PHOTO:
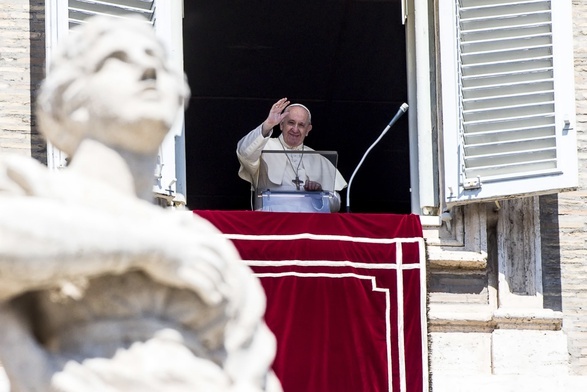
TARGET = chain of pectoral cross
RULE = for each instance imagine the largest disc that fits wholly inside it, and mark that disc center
(296, 171)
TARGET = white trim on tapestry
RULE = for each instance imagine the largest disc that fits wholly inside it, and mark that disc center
(374, 287)
(309, 236)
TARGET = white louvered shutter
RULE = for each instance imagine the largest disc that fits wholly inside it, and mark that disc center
(165, 16)
(80, 10)
(508, 109)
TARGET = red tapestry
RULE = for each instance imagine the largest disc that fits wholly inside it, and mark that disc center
(345, 296)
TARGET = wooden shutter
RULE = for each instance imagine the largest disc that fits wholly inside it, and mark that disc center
(508, 109)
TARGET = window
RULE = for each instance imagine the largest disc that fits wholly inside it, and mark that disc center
(507, 98)
(345, 60)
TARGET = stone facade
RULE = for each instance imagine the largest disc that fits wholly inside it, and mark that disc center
(22, 63)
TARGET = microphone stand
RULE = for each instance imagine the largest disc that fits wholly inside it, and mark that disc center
(403, 108)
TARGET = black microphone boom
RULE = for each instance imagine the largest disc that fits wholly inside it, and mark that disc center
(400, 112)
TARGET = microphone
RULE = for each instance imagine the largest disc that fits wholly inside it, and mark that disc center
(403, 108)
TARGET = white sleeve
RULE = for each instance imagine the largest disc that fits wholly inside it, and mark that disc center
(248, 152)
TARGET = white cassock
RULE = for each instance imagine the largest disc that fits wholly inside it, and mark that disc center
(280, 172)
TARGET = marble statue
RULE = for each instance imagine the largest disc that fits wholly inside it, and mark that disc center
(100, 290)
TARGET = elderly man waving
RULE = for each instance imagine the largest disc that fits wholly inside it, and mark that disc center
(298, 169)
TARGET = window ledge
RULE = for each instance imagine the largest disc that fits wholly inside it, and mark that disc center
(451, 259)
(444, 318)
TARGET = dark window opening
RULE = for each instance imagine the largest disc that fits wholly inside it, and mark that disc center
(345, 60)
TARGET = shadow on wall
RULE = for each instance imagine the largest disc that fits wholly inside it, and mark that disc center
(551, 258)
(550, 249)
(37, 73)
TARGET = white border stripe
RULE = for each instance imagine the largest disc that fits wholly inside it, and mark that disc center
(388, 338)
(330, 263)
(423, 317)
(319, 237)
(374, 288)
(401, 344)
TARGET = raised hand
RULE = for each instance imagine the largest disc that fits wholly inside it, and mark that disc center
(275, 116)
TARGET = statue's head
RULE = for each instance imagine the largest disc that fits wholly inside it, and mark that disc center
(111, 81)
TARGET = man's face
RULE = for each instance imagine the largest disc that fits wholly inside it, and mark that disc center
(132, 95)
(295, 126)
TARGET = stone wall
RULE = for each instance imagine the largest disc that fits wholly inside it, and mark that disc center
(22, 60)
(572, 214)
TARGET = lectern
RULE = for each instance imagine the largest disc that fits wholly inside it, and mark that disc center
(275, 194)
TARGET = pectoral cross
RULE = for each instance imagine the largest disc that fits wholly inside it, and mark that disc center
(298, 182)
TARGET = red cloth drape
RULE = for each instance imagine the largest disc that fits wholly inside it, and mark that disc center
(344, 296)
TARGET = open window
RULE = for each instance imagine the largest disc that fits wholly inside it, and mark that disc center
(508, 110)
(344, 59)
